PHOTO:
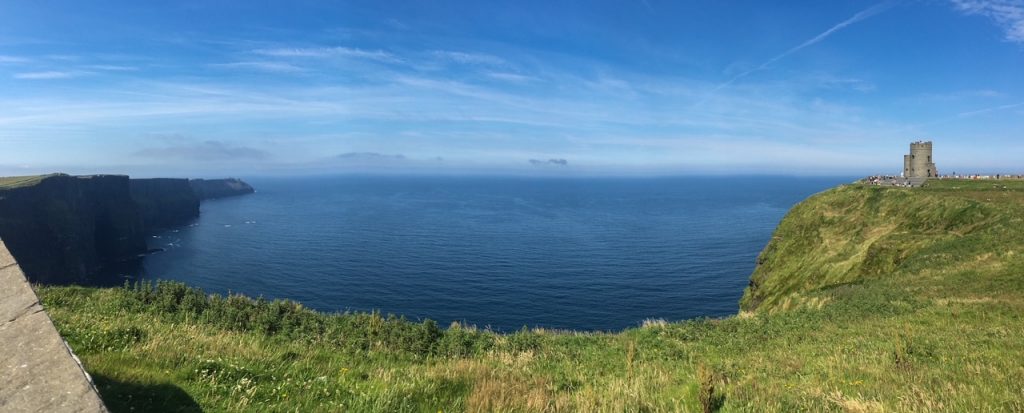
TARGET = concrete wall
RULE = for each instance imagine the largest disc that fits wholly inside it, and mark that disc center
(38, 372)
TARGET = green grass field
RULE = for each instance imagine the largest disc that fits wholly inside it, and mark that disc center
(10, 182)
(866, 299)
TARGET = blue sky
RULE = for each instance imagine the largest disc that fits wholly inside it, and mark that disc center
(625, 87)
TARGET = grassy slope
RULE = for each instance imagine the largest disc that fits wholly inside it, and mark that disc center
(867, 299)
(10, 182)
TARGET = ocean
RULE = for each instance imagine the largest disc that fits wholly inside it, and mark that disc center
(495, 252)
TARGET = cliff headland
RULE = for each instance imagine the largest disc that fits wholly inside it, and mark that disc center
(64, 229)
(219, 188)
(866, 299)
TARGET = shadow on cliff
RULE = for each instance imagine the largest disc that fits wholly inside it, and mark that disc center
(120, 396)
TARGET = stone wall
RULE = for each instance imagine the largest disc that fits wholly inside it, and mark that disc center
(38, 372)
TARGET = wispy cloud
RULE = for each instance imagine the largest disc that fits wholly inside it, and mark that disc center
(850, 83)
(469, 58)
(265, 66)
(511, 77)
(325, 52)
(1008, 14)
(863, 14)
(991, 109)
(205, 151)
(47, 75)
(112, 68)
(6, 59)
(549, 162)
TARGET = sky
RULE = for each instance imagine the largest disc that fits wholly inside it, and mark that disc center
(631, 87)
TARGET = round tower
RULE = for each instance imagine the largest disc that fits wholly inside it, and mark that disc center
(921, 165)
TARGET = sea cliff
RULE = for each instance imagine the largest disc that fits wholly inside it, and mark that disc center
(859, 233)
(165, 202)
(64, 228)
(219, 188)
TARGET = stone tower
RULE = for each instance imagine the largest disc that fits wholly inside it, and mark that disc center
(919, 164)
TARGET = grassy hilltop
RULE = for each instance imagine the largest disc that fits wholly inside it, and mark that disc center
(866, 299)
(11, 182)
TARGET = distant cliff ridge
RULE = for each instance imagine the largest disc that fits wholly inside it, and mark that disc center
(165, 202)
(219, 188)
(64, 229)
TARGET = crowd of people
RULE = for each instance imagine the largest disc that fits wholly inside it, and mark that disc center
(893, 180)
(954, 175)
(887, 180)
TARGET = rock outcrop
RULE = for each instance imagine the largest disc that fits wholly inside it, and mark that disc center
(219, 188)
(65, 228)
(164, 202)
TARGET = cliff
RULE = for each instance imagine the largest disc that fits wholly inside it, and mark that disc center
(855, 234)
(164, 202)
(63, 228)
(219, 188)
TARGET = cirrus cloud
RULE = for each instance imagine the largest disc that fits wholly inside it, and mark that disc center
(1008, 14)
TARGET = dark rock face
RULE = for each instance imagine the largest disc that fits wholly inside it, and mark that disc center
(66, 228)
(219, 188)
(164, 202)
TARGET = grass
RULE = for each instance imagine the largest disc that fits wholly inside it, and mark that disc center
(867, 299)
(11, 182)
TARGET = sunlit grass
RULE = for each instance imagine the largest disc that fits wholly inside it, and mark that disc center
(868, 299)
(10, 182)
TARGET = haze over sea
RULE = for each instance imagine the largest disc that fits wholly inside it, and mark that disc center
(503, 252)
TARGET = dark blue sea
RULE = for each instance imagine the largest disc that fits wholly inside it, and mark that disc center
(564, 253)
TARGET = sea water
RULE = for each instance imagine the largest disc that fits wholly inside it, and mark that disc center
(498, 252)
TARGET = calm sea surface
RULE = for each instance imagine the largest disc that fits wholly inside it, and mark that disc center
(587, 253)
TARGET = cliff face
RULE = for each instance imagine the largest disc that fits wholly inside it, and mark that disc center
(64, 228)
(164, 202)
(219, 188)
(854, 234)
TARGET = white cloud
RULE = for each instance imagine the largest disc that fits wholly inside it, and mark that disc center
(266, 66)
(211, 150)
(469, 58)
(990, 109)
(511, 77)
(112, 68)
(53, 74)
(12, 59)
(1008, 14)
(326, 52)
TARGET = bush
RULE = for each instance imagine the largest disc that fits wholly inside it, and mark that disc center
(524, 340)
(288, 319)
